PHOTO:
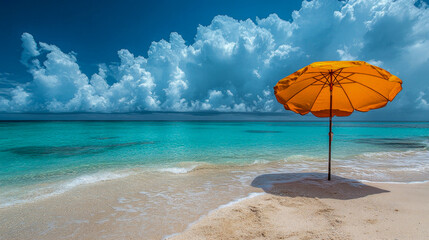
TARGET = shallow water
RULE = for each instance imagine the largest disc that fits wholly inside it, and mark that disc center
(89, 179)
(45, 158)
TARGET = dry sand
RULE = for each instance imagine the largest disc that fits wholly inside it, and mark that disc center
(292, 206)
(305, 206)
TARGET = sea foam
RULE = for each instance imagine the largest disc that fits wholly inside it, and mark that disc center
(39, 193)
(177, 170)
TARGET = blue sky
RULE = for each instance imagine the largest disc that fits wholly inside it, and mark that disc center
(97, 31)
(192, 56)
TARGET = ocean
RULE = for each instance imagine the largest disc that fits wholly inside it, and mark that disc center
(166, 163)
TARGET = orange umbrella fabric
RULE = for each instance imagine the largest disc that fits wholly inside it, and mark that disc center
(337, 88)
(356, 85)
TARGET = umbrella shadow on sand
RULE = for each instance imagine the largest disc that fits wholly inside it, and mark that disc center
(314, 185)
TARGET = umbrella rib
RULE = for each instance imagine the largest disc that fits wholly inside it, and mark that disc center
(320, 74)
(372, 75)
(384, 76)
(324, 86)
(351, 74)
(327, 80)
(317, 96)
(301, 80)
(351, 104)
(317, 80)
(339, 69)
(367, 87)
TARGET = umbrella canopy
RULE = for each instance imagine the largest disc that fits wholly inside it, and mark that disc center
(337, 88)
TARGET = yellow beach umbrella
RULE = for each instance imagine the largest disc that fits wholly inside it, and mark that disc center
(337, 88)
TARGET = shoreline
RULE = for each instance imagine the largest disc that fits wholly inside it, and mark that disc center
(158, 205)
(42, 191)
(134, 207)
(226, 205)
(258, 217)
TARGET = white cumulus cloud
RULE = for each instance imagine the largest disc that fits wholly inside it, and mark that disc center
(232, 65)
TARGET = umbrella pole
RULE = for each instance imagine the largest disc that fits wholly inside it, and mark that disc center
(330, 128)
(330, 140)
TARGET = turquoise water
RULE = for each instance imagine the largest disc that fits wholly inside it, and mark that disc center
(35, 155)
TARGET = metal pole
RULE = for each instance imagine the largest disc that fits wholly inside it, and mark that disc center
(330, 126)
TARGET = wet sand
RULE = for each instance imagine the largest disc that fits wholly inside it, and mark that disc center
(312, 209)
(142, 206)
(292, 205)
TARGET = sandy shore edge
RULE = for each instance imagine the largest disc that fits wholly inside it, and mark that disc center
(315, 209)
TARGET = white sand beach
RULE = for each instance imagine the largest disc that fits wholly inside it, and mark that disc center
(316, 210)
(214, 203)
